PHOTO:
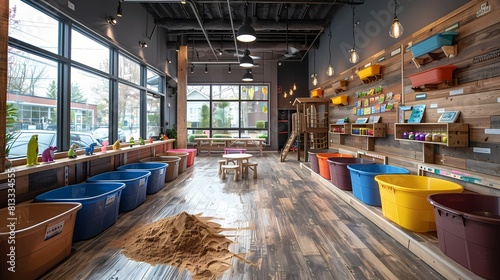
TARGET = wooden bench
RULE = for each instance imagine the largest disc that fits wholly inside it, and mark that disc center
(218, 144)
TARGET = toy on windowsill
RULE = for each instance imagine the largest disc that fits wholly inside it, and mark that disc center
(150, 139)
(162, 137)
(116, 145)
(90, 149)
(165, 137)
(141, 141)
(32, 152)
(48, 154)
(104, 147)
(131, 141)
(71, 151)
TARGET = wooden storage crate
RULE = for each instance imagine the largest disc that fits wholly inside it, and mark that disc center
(340, 86)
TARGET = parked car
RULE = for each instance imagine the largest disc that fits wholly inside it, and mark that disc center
(46, 138)
(102, 133)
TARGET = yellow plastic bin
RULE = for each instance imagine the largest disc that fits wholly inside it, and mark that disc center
(172, 168)
(324, 167)
(182, 162)
(43, 237)
(404, 199)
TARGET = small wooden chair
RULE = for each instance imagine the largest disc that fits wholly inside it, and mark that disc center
(227, 167)
(252, 166)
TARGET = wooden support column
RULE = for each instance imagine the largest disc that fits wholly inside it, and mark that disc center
(428, 153)
(182, 64)
(4, 37)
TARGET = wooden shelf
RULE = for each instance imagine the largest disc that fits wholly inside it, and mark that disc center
(457, 134)
(369, 129)
(340, 128)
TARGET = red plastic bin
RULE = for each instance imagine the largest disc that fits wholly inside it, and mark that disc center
(324, 167)
(190, 158)
(433, 76)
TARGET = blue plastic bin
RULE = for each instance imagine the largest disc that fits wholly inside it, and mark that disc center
(134, 193)
(158, 170)
(433, 43)
(364, 186)
(100, 205)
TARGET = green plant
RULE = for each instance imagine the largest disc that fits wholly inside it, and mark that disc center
(193, 136)
(260, 124)
(171, 133)
(11, 116)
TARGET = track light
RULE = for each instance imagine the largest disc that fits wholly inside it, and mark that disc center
(229, 70)
(248, 77)
(246, 61)
(143, 44)
(119, 11)
(246, 33)
(192, 68)
(111, 20)
(206, 68)
(396, 27)
(169, 61)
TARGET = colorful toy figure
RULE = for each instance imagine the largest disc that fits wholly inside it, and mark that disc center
(141, 141)
(116, 145)
(165, 137)
(32, 152)
(150, 139)
(71, 151)
(104, 147)
(48, 154)
(131, 141)
(90, 149)
(162, 137)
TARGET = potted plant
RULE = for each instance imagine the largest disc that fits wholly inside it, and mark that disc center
(171, 133)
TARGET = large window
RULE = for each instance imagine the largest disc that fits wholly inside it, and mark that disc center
(232, 111)
(43, 80)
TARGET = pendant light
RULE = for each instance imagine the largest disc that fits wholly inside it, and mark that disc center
(246, 33)
(314, 76)
(396, 28)
(119, 9)
(248, 77)
(330, 70)
(246, 61)
(353, 57)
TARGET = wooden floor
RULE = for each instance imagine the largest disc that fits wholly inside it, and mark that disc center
(294, 226)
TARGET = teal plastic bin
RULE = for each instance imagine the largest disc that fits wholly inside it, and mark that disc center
(158, 170)
(136, 182)
(364, 186)
(100, 205)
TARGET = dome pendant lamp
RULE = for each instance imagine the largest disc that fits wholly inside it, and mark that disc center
(396, 28)
(353, 57)
(246, 33)
(246, 61)
(247, 77)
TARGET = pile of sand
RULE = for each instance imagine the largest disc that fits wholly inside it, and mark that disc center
(185, 241)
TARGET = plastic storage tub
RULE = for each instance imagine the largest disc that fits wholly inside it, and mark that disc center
(136, 182)
(43, 235)
(100, 205)
(369, 71)
(191, 156)
(313, 159)
(433, 76)
(324, 168)
(364, 186)
(156, 180)
(404, 199)
(433, 43)
(468, 230)
(172, 168)
(340, 175)
(182, 162)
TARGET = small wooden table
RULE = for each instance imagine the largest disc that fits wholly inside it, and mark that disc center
(239, 160)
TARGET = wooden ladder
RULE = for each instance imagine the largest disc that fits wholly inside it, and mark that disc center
(288, 145)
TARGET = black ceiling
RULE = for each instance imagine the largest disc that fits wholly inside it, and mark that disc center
(207, 25)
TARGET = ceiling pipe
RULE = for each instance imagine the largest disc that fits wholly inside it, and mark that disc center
(317, 2)
(232, 28)
(197, 15)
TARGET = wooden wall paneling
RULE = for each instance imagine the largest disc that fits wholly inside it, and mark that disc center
(100, 165)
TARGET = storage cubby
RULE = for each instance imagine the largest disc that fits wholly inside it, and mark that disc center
(454, 134)
(344, 128)
(369, 129)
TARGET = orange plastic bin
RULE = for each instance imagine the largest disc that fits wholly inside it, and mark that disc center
(190, 158)
(324, 166)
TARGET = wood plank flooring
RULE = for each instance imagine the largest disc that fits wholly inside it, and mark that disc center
(285, 220)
